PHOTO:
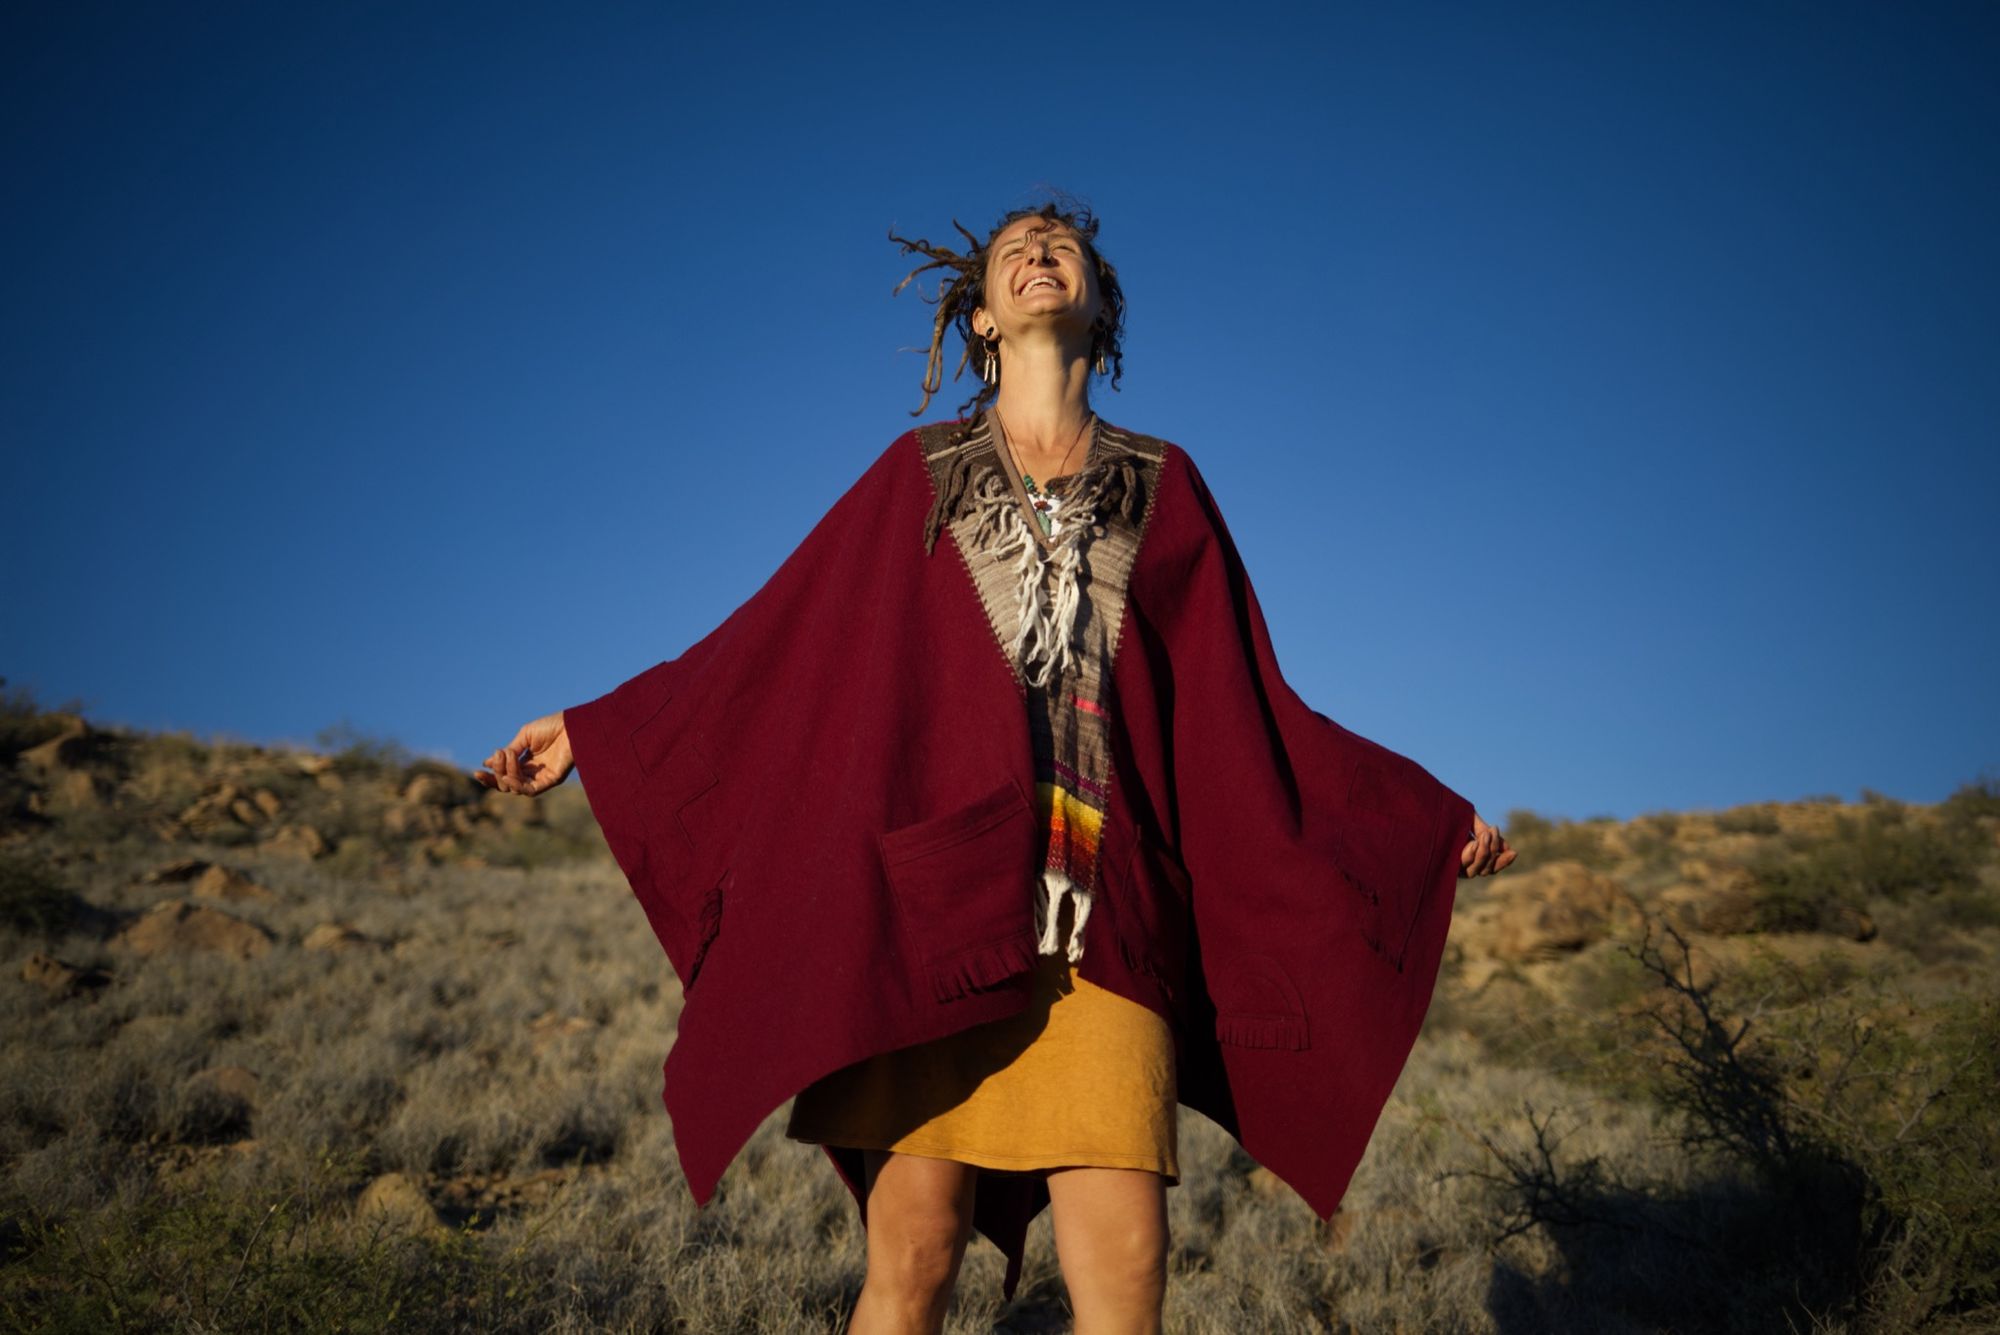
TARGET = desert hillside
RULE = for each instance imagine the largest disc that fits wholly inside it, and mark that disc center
(336, 1039)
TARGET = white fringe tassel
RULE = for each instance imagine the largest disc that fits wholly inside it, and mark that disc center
(1056, 883)
(1042, 644)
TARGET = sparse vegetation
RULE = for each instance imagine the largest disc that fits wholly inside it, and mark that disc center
(428, 1099)
(1540, 839)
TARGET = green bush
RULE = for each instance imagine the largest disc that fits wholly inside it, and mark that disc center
(33, 899)
(1880, 853)
(1747, 820)
(220, 1260)
(1540, 840)
(360, 755)
(25, 724)
(1974, 805)
(1862, 1142)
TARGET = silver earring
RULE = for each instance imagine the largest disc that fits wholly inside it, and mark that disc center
(1100, 364)
(992, 375)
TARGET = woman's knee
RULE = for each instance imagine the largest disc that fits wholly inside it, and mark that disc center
(919, 1221)
(1111, 1237)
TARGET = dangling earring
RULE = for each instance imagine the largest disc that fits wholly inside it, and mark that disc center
(1100, 364)
(992, 372)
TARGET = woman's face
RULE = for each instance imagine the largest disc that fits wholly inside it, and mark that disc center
(1038, 274)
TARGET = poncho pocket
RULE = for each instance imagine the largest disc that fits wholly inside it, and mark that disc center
(1257, 1005)
(963, 888)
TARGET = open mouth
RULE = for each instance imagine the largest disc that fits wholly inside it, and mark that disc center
(1041, 281)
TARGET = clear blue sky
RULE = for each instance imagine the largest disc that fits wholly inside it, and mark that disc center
(1605, 397)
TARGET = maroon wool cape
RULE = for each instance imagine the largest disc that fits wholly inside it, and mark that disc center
(824, 807)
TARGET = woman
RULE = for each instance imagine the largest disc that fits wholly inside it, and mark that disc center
(1073, 1087)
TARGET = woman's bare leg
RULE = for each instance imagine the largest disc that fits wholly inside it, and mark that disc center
(919, 1219)
(1111, 1238)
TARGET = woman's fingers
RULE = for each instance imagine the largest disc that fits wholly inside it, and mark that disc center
(1486, 852)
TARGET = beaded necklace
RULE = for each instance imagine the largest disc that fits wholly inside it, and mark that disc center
(1045, 502)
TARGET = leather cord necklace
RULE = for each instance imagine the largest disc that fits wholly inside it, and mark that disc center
(1045, 502)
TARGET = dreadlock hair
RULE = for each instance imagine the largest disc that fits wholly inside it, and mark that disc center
(965, 292)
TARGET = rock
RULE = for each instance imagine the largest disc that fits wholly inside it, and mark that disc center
(1382, 1220)
(550, 1029)
(66, 980)
(1339, 1230)
(1721, 903)
(71, 747)
(77, 790)
(177, 927)
(314, 764)
(299, 841)
(1557, 910)
(212, 811)
(1265, 1182)
(175, 872)
(427, 789)
(513, 811)
(230, 1082)
(1848, 921)
(394, 1202)
(218, 1103)
(411, 818)
(246, 811)
(267, 801)
(227, 883)
(336, 937)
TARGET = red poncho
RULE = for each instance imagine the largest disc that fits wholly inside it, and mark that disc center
(824, 806)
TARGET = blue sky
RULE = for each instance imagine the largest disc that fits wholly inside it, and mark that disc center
(1604, 397)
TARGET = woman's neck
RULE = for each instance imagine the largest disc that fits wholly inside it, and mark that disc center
(1045, 402)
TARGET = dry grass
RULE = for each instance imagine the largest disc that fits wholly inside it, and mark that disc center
(495, 1036)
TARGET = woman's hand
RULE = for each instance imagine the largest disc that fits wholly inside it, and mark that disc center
(1487, 851)
(535, 761)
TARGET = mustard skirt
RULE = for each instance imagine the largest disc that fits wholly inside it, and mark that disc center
(1082, 1078)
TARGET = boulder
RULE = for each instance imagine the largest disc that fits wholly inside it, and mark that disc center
(176, 926)
(512, 810)
(1721, 901)
(410, 818)
(230, 884)
(427, 789)
(178, 871)
(64, 980)
(217, 1103)
(68, 749)
(551, 1029)
(336, 937)
(1557, 910)
(77, 790)
(298, 841)
(393, 1202)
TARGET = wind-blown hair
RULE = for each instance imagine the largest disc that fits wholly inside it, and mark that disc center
(965, 292)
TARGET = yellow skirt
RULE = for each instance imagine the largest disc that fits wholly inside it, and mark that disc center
(1081, 1078)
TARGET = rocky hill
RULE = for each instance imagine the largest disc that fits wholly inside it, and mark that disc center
(341, 1032)
(364, 808)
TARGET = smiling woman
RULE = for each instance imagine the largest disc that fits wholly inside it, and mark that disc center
(988, 857)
